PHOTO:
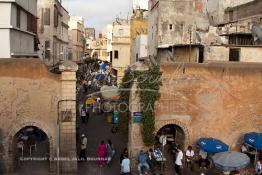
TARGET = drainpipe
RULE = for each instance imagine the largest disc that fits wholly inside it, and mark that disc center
(58, 133)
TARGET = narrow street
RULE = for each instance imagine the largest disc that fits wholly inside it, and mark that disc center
(96, 130)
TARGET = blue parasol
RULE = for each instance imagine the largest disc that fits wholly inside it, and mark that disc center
(211, 145)
(254, 140)
(230, 161)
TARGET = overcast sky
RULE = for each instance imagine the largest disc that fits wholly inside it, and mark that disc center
(98, 13)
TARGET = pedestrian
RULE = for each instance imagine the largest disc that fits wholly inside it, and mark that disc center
(101, 152)
(178, 162)
(125, 166)
(258, 169)
(110, 151)
(83, 147)
(115, 122)
(151, 159)
(123, 155)
(83, 114)
(142, 161)
(190, 157)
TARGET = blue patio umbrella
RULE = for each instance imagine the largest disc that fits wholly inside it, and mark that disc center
(230, 161)
(254, 140)
(212, 145)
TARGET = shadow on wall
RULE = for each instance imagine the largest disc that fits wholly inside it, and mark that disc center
(1, 153)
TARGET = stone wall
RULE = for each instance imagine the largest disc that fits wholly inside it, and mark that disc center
(211, 100)
(29, 96)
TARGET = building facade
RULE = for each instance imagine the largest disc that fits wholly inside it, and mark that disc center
(90, 37)
(177, 29)
(53, 31)
(18, 28)
(138, 26)
(77, 37)
(240, 27)
(140, 46)
(121, 47)
(107, 33)
(140, 4)
(200, 31)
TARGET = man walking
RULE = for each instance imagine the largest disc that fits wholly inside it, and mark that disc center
(83, 115)
(125, 166)
(178, 162)
(83, 147)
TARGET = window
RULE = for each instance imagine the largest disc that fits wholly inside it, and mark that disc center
(244, 40)
(55, 17)
(111, 56)
(46, 16)
(47, 49)
(31, 23)
(231, 15)
(116, 54)
(18, 14)
(234, 54)
(170, 26)
(201, 55)
(136, 56)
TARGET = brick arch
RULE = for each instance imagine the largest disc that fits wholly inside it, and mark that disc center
(15, 130)
(161, 123)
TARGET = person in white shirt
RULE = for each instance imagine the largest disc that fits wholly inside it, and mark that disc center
(189, 157)
(178, 162)
(83, 147)
(125, 166)
(203, 159)
(244, 148)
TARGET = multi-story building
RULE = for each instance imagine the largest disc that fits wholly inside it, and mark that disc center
(18, 28)
(53, 31)
(121, 46)
(76, 35)
(139, 50)
(90, 34)
(140, 4)
(205, 31)
(239, 24)
(107, 33)
(177, 29)
(138, 26)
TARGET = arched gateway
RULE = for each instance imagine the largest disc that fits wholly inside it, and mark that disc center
(180, 131)
(30, 136)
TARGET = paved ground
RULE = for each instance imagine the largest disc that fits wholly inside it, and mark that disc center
(97, 129)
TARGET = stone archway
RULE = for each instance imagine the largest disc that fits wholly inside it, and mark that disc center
(162, 123)
(10, 144)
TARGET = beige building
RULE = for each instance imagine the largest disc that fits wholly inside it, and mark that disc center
(52, 31)
(107, 34)
(77, 37)
(121, 47)
(240, 26)
(199, 31)
(18, 28)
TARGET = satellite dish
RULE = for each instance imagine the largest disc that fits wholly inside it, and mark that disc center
(257, 32)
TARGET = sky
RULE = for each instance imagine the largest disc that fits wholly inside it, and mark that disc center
(98, 13)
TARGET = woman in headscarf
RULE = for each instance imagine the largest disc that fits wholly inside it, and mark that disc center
(101, 152)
